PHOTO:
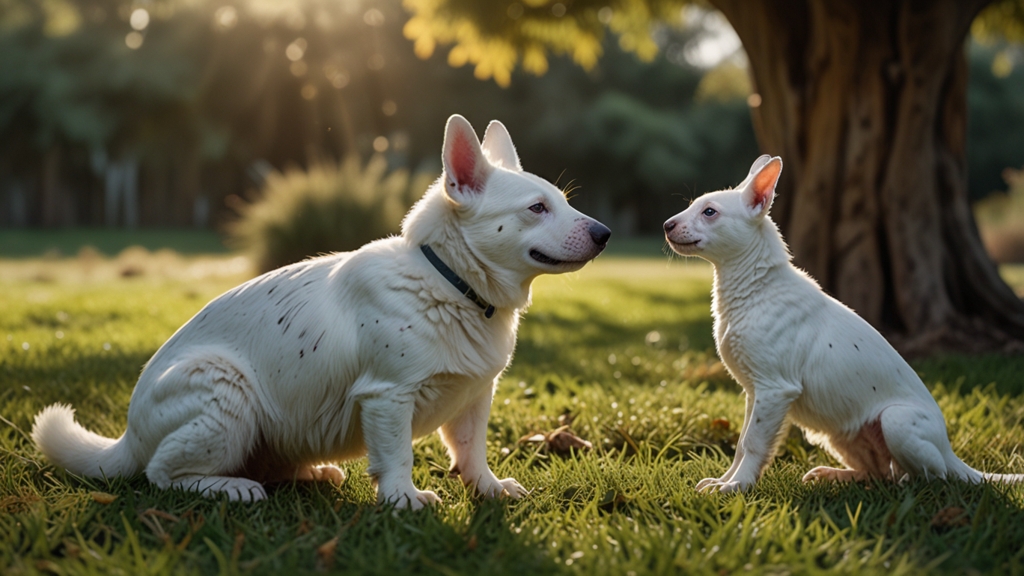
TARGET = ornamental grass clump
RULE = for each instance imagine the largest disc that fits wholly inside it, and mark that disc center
(328, 208)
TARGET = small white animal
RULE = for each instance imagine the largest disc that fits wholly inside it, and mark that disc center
(353, 353)
(799, 353)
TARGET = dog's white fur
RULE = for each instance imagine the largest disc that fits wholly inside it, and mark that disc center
(351, 353)
(799, 353)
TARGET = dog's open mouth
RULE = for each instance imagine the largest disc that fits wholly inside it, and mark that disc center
(545, 259)
(684, 245)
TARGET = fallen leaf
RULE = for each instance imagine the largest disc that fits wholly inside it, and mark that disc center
(325, 552)
(950, 517)
(720, 424)
(560, 441)
(563, 441)
(103, 497)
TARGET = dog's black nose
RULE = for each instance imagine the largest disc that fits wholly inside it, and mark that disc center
(670, 225)
(599, 233)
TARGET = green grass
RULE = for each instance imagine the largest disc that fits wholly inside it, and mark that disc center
(625, 347)
(33, 242)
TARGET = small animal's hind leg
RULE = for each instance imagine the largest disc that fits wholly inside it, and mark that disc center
(916, 438)
(836, 474)
(204, 452)
(324, 473)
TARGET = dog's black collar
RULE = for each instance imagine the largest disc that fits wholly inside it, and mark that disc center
(456, 281)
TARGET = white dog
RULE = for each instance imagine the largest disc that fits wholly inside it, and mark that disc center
(798, 352)
(353, 353)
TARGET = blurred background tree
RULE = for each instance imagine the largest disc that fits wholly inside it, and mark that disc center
(867, 104)
(170, 112)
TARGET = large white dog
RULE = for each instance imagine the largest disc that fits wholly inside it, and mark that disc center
(353, 353)
(800, 353)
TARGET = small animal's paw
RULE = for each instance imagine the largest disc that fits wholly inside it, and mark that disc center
(329, 473)
(731, 486)
(725, 486)
(707, 483)
(490, 487)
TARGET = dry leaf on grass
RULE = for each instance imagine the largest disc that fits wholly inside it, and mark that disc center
(560, 441)
(950, 517)
(103, 497)
(325, 553)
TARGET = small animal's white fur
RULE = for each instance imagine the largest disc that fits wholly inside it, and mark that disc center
(800, 354)
(351, 353)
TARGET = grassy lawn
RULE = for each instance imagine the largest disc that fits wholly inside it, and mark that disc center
(623, 348)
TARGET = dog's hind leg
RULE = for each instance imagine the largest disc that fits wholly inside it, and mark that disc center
(917, 439)
(466, 439)
(215, 437)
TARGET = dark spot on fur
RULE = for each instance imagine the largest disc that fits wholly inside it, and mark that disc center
(302, 353)
(207, 450)
(271, 291)
(403, 354)
(361, 325)
(308, 283)
(857, 347)
(499, 228)
(386, 345)
(281, 319)
(376, 321)
(829, 344)
(303, 333)
(317, 343)
(875, 389)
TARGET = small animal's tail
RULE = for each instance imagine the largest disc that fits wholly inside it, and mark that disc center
(66, 443)
(1004, 478)
(961, 470)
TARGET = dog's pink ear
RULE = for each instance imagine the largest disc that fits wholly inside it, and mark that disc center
(465, 167)
(760, 190)
(499, 148)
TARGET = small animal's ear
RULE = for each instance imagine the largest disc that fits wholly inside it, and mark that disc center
(465, 167)
(758, 164)
(760, 189)
(499, 148)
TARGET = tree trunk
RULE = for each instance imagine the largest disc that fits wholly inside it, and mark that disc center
(866, 104)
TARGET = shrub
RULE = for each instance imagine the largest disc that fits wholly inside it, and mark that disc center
(1000, 219)
(329, 208)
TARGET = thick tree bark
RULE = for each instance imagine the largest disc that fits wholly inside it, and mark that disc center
(866, 104)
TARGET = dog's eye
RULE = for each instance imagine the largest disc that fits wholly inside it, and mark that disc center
(538, 208)
(709, 212)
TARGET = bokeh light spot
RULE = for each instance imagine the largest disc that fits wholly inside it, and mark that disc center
(133, 40)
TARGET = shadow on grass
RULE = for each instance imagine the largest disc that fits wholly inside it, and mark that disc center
(301, 527)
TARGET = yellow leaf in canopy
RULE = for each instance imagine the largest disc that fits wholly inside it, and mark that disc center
(534, 60)
(458, 56)
(415, 28)
(424, 46)
(586, 51)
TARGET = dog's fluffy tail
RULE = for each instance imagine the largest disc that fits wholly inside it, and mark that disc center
(66, 443)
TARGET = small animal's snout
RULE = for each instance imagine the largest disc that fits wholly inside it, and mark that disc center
(670, 225)
(599, 233)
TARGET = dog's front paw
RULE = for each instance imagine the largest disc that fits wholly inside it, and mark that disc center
(412, 499)
(490, 487)
(707, 483)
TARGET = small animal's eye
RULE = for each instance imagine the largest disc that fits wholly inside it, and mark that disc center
(709, 212)
(538, 208)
